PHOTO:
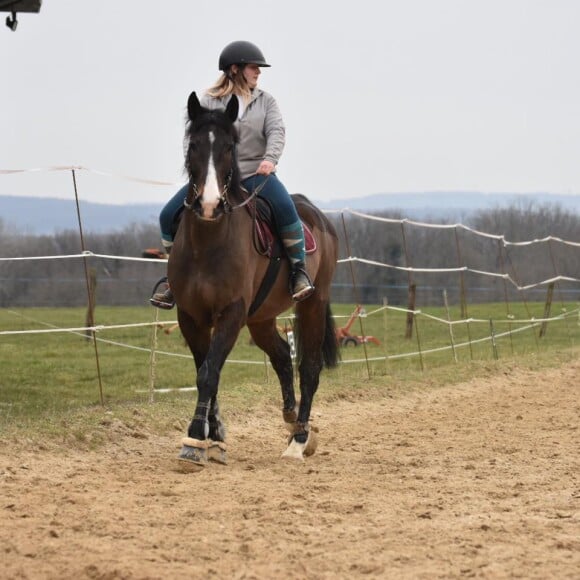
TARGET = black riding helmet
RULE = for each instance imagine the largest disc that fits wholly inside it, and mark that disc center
(241, 52)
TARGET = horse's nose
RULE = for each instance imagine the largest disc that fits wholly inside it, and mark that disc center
(209, 201)
(208, 211)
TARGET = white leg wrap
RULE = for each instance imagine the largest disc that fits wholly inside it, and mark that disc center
(295, 450)
(195, 442)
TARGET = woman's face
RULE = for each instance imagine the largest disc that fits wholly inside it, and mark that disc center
(251, 73)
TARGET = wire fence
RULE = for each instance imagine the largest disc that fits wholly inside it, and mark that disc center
(565, 284)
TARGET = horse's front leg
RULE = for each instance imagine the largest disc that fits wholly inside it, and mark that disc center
(206, 435)
(217, 434)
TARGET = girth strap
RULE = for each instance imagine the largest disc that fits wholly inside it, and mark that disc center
(267, 283)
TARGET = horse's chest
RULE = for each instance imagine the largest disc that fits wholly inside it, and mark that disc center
(215, 289)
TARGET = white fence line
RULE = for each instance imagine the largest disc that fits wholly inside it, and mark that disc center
(105, 327)
(465, 269)
(450, 227)
(528, 323)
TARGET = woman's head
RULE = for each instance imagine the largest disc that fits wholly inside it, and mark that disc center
(240, 62)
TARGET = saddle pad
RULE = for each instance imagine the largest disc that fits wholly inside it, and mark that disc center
(266, 238)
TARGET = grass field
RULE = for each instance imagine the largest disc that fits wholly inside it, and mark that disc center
(46, 376)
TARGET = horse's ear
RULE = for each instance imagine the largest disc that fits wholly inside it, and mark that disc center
(193, 106)
(233, 108)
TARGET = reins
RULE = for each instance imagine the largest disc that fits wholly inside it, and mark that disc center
(223, 198)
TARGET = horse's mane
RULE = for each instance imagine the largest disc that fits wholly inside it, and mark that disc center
(209, 118)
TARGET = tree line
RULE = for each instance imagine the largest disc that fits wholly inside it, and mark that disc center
(418, 247)
(62, 282)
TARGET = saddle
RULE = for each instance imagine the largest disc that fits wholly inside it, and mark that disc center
(270, 245)
(266, 241)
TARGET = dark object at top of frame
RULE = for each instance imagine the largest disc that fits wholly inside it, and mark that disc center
(15, 6)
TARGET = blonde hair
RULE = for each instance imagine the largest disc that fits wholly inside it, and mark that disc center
(231, 83)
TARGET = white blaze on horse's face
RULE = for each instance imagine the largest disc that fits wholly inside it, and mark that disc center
(211, 192)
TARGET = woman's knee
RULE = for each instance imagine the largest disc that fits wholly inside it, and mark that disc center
(276, 193)
(170, 210)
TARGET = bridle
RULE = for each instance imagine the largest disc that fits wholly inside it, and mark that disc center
(228, 206)
(223, 199)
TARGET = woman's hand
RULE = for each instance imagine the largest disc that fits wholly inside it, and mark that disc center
(265, 168)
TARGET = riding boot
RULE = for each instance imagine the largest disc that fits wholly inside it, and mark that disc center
(162, 296)
(301, 286)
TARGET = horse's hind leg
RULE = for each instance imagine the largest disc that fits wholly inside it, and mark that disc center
(266, 337)
(311, 329)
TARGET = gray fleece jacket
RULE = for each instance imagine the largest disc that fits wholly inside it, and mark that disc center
(261, 129)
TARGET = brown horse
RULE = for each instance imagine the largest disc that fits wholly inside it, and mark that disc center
(215, 272)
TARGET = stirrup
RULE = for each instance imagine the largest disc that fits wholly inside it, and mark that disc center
(162, 297)
(306, 290)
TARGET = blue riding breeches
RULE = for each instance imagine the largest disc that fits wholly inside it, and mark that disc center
(285, 214)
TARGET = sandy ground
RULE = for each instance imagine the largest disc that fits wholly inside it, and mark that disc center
(476, 480)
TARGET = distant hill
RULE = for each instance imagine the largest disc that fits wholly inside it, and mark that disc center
(36, 215)
(450, 205)
(39, 215)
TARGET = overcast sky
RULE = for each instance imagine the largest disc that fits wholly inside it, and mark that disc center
(378, 96)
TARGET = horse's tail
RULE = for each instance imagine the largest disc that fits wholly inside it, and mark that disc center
(330, 352)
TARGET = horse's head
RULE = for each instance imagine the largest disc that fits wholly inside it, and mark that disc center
(211, 158)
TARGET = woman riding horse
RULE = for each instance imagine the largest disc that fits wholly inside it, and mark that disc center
(261, 142)
(217, 273)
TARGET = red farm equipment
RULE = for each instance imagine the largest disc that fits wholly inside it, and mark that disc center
(345, 338)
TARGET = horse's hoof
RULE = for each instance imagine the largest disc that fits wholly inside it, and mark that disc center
(188, 466)
(298, 450)
(193, 455)
(217, 452)
(311, 442)
(294, 451)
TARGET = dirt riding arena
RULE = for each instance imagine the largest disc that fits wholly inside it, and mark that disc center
(476, 480)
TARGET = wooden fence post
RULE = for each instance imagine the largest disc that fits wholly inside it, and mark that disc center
(547, 309)
(411, 306)
(90, 318)
(446, 303)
